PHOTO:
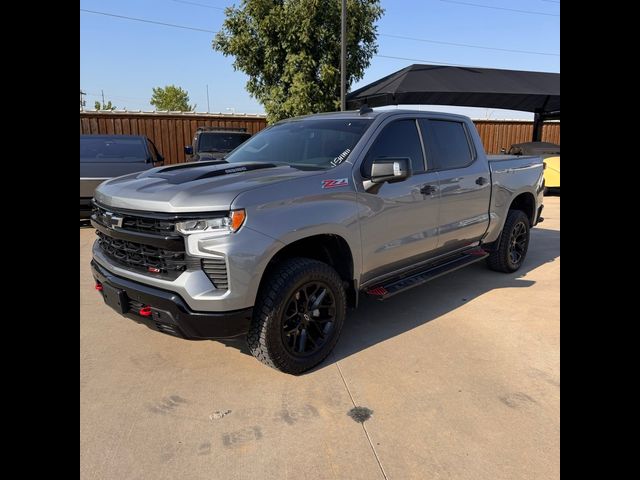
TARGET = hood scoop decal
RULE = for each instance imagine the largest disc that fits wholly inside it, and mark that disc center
(197, 171)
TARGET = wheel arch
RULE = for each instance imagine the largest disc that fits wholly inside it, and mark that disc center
(329, 248)
(525, 202)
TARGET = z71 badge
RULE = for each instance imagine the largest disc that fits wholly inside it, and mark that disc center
(338, 182)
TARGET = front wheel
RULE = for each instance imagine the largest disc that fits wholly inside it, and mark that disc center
(513, 244)
(298, 315)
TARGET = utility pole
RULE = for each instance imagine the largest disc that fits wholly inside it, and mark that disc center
(207, 98)
(102, 91)
(82, 102)
(343, 58)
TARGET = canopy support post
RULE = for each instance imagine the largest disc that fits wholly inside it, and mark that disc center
(537, 127)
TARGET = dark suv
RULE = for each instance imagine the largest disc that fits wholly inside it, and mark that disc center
(214, 143)
(107, 156)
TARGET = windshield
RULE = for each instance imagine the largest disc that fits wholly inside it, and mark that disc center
(220, 142)
(308, 143)
(112, 149)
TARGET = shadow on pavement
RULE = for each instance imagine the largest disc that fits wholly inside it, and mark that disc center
(374, 321)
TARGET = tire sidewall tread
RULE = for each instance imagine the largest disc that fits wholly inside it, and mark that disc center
(264, 337)
(498, 259)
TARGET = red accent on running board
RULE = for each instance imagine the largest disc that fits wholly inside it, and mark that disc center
(153, 269)
(145, 311)
(99, 287)
(378, 291)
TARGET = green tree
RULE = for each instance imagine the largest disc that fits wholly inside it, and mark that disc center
(105, 106)
(171, 98)
(290, 49)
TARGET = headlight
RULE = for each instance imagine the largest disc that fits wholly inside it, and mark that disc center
(222, 224)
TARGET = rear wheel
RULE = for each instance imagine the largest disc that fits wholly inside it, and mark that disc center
(298, 315)
(513, 244)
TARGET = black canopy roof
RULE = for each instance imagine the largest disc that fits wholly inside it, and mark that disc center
(537, 92)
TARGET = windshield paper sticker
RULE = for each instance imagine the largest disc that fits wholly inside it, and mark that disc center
(338, 182)
(340, 158)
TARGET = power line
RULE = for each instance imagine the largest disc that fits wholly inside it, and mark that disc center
(441, 42)
(501, 8)
(467, 45)
(426, 61)
(386, 35)
(435, 62)
(198, 4)
(147, 21)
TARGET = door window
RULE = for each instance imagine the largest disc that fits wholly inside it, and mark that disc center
(398, 139)
(447, 142)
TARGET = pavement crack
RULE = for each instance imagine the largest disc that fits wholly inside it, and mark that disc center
(373, 449)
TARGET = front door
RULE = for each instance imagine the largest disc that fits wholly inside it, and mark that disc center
(399, 221)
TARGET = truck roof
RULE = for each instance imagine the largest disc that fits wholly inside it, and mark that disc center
(102, 135)
(221, 130)
(371, 114)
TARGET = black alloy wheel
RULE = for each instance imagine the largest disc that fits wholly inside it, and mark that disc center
(518, 243)
(308, 319)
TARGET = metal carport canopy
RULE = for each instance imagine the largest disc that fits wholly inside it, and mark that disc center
(418, 84)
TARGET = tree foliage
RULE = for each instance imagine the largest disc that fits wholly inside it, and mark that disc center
(290, 49)
(171, 98)
(105, 106)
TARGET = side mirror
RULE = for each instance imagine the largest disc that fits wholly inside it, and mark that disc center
(390, 170)
(188, 150)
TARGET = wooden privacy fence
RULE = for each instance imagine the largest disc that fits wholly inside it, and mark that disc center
(172, 131)
(498, 134)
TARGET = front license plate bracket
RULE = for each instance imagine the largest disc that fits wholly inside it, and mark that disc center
(115, 298)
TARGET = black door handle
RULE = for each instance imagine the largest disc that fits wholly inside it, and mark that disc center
(427, 189)
(481, 180)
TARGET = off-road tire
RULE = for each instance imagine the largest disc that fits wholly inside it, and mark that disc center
(500, 259)
(265, 334)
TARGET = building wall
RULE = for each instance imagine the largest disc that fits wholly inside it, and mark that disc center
(172, 131)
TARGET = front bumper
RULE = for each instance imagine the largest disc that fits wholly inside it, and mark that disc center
(167, 312)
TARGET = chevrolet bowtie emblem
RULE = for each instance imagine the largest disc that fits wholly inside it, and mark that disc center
(113, 220)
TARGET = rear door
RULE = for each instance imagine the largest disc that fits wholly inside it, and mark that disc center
(464, 182)
(399, 221)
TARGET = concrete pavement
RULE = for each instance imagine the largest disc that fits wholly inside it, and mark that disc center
(462, 376)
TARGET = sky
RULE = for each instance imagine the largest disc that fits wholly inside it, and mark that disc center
(125, 59)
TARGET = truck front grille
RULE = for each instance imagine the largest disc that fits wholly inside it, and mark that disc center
(158, 262)
(144, 258)
(137, 224)
(216, 270)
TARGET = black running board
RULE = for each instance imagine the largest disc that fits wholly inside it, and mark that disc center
(396, 285)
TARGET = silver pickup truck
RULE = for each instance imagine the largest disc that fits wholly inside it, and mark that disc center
(276, 242)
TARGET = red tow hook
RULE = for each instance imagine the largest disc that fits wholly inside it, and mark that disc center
(145, 311)
(98, 286)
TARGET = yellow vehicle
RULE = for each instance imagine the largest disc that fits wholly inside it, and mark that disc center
(550, 153)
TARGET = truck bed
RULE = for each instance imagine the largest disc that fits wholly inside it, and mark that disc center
(503, 157)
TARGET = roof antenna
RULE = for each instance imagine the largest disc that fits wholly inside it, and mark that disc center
(365, 109)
